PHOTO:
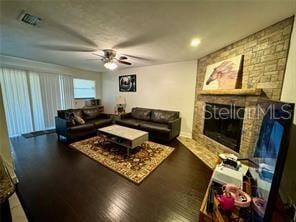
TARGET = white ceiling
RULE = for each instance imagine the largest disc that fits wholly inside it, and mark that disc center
(159, 31)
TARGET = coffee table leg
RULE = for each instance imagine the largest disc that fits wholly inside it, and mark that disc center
(128, 151)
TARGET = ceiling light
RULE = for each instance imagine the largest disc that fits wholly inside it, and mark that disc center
(195, 42)
(110, 65)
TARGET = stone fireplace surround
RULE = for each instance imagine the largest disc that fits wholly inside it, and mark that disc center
(265, 55)
(249, 129)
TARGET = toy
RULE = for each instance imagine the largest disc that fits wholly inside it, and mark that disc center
(241, 199)
(226, 201)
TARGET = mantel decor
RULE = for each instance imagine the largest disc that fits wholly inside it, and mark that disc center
(223, 74)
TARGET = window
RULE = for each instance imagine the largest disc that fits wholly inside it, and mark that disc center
(84, 89)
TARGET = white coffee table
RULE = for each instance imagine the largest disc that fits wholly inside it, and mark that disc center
(124, 136)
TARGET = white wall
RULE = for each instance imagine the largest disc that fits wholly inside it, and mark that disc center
(288, 183)
(26, 64)
(168, 86)
(289, 86)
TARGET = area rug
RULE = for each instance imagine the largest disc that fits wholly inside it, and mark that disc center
(135, 167)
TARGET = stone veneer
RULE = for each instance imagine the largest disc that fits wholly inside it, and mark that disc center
(265, 55)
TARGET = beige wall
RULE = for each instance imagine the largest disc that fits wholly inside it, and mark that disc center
(5, 152)
(288, 185)
(26, 64)
(168, 86)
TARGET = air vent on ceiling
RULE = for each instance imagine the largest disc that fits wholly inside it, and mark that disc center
(29, 19)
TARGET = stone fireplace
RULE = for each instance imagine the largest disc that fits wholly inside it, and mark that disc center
(265, 55)
(249, 129)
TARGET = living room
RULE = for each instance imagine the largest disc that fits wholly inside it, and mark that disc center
(108, 110)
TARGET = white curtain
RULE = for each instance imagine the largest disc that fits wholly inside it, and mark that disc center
(51, 97)
(50, 92)
(16, 101)
(31, 99)
(37, 108)
(67, 91)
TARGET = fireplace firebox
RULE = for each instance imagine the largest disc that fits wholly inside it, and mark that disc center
(223, 123)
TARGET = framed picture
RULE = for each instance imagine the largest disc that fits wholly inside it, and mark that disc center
(128, 83)
(223, 74)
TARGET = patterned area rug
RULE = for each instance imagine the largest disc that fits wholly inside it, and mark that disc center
(141, 162)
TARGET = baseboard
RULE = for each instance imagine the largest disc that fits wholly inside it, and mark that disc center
(186, 134)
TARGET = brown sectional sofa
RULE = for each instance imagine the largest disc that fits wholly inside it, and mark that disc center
(162, 125)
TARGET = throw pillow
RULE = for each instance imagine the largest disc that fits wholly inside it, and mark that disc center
(72, 119)
(79, 120)
(77, 112)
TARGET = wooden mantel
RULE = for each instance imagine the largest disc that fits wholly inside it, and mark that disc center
(239, 92)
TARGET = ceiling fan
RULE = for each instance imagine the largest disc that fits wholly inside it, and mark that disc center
(110, 60)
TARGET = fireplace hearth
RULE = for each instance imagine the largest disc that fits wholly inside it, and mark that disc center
(223, 123)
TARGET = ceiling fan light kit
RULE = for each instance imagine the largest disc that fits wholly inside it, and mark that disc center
(109, 59)
(110, 65)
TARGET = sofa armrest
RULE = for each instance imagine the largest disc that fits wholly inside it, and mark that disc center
(175, 127)
(61, 125)
(125, 115)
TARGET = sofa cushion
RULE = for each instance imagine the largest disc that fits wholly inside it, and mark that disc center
(163, 116)
(80, 128)
(141, 113)
(155, 127)
(91, 113)
(128, 122)
(99, 122)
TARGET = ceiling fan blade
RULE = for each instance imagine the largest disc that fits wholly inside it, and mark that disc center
(67, 33)
(124, 62)
(141, 39)
(66, 48)
(122, 58)
(96, 54)
(94, 59)
(138, 57)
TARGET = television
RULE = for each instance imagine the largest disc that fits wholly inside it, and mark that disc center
(269, 155)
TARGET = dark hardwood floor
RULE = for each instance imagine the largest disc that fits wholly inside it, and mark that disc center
(60, 184)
